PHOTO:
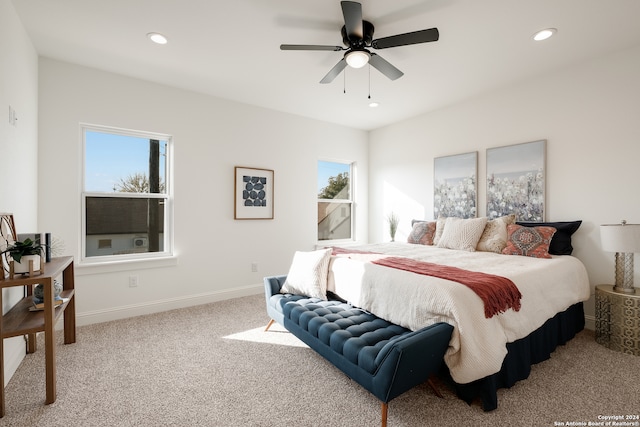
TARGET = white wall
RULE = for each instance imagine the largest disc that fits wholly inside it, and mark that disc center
(211, 136)
(18, 146)
(589, 115)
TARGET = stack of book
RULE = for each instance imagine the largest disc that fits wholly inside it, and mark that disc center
(38, 304)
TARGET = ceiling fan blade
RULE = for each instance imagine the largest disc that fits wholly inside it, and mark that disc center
(337, 69)
(309, 47)
(352, 12)
(385, 67)
(422, 36)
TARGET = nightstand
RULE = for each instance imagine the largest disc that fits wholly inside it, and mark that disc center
(618, 320)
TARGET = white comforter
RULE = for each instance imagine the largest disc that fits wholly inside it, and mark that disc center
(478, 344)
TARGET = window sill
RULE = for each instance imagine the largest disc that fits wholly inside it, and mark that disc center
(87, 268)
(338, 243)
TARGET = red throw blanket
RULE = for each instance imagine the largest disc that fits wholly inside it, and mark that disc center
(498, 293)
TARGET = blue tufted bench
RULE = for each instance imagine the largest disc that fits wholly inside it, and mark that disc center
(384, 358)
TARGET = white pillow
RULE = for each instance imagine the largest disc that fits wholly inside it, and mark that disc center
(494, 237)
(462, 234)
(308, 274)
(440, 223)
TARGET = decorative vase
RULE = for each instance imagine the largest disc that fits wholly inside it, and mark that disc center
(38, 291)
(23, 266)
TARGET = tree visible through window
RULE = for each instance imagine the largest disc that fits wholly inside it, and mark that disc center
(125, 199)
(335, 202)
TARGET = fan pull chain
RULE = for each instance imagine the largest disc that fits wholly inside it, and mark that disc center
(369, 97)
(344, 82)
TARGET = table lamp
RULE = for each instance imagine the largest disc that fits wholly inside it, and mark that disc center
(624, 240)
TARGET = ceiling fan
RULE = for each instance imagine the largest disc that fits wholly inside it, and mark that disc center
(357, 35)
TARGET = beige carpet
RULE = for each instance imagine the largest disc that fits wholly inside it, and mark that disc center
(212, 365)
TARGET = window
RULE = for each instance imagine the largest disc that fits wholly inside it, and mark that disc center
(126, 198)
(335, 201)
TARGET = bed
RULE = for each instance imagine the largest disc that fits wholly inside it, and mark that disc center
(486, 352)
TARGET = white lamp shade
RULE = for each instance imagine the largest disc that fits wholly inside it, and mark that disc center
(620, 238)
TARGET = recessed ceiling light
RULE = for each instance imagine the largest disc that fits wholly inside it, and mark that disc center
(373, 104)
(157, 38)
(544, 34)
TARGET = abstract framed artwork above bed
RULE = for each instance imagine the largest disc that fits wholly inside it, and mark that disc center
(455, 185)
(516, 181)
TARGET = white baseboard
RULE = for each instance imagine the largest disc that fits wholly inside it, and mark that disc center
(123, 312)
(15, 350)
(590, 322)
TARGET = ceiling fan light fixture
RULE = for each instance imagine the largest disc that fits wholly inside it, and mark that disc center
(357, 58)
(357, 36)
(544, 34)
(157, 38)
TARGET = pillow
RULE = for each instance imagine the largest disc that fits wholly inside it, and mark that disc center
(462, 234)
(561, 242)
(529, 241)
(422, 232)
(440, 223)
(494, 237)
(308, 274)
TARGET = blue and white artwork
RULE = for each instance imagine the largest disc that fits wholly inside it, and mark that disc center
(253, 193)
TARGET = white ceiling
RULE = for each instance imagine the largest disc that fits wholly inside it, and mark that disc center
(230, 49)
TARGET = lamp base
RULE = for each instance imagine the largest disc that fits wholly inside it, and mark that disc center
(624, 273)
(627, 291)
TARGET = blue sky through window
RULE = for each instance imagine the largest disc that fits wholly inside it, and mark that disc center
(112, 157)
(328, 169)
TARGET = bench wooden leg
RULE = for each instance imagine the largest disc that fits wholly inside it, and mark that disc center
(435, 389)
(269, 325)
(385, 410)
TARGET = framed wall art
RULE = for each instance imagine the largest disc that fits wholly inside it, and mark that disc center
(253, 193)
(516, 181)
(455, 185)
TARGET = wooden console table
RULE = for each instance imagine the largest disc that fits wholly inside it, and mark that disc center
(20, 321)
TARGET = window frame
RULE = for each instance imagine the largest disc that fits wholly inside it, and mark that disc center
(350, 201)
(167, 197)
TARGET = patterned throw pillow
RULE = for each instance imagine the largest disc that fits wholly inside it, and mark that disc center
(529, 241)
(494, 237)
(308, 274)
(561, 242)
(462, 234)
(422, 233)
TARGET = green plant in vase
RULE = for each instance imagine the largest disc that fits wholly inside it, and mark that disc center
(27, 250)
(393, 220)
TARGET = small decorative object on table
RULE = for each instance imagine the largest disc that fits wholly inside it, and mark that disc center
(38, 296)
(38, 291)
